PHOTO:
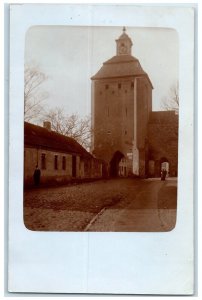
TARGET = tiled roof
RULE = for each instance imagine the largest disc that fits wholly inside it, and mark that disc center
(120, 66)
(124, 36)
(37, 136)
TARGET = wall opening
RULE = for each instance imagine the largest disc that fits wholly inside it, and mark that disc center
(43, 161)
(56, 162)
(114, 164)
(73, 166)
(164, 165)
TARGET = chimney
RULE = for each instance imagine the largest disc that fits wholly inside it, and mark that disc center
(47, 125)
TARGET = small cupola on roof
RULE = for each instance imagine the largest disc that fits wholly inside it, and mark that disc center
(123, 63)
(123, 44)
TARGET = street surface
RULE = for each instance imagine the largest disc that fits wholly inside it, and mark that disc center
(123, 204)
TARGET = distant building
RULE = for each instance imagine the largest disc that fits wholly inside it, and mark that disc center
(60, 158)
(126, 133)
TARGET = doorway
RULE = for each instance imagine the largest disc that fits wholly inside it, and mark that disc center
(114, 164)
(73, 166)
(164, 164)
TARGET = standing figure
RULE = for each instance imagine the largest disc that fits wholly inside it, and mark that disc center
(37, 175)
(163, 174)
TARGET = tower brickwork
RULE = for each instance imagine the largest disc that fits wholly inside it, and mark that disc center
(121, 105)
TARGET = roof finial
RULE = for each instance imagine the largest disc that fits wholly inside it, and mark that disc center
(124, 29)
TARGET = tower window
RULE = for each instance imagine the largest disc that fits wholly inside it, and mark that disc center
(119, 85)
(106, 86)
(132, 85)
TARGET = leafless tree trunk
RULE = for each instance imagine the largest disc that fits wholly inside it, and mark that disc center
(172, 101)
(33, 95)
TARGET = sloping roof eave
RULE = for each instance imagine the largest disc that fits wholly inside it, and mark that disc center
(42, 138)
(119, 76)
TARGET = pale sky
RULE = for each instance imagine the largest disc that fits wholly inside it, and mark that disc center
(70, 55)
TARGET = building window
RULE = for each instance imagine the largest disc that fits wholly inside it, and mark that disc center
(64, 163)
(132, 85)
(43, 161)
(119, 85)
(73, 166)
(125, 132)
(56, 162)
(106, 86)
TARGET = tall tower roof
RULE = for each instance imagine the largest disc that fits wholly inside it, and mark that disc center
(123, 44)
(124, 36)
(123, 64)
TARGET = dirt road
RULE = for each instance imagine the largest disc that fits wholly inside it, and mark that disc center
(106, 205)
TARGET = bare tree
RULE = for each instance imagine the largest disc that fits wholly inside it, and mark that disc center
(33, 94)
(72, 125)
(172, 101)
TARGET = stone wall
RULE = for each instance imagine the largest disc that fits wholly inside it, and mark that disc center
(113, 117)
(163, 142)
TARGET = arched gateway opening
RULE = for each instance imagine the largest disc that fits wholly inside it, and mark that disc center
(114, 164)
(164, 164)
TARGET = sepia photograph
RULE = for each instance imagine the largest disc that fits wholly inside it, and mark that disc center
(101, 109)
(101, 149)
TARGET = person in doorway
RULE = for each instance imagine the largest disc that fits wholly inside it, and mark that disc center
(163, 174)
(37, 175)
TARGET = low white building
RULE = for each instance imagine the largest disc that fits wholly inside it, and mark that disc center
(60, 158)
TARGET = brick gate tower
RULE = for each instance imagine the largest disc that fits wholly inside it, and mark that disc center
(121, 105)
